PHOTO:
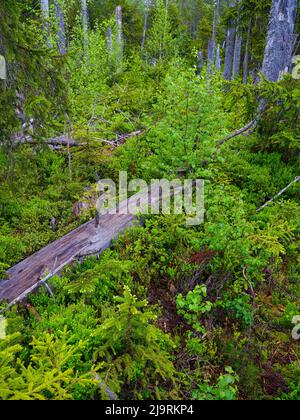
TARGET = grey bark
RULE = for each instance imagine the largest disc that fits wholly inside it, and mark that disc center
(228, 64)
(85, 18)
(280, 39)
(246, 57)
(119, 26)
(200, 61)
(59, 14)
(229, 52)
(45, 18)
(145, 23)
(237, 56)
(218, 59)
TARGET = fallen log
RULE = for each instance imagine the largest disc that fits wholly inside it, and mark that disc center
(86, 240)
(63, 141)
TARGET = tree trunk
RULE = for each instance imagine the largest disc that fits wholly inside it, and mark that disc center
(229, 54)
(85, 18)
(61, 27)
(45, 18)
(218, 59)
(145, 23)
(280, 38)
(119, 26)
(237, 56)
(200, 61)
(246, 58)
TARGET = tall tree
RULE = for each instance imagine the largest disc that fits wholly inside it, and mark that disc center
(230, 44)
(59, 14)
(145, 23)
(45, 8)
(237, 56)
(85, 18)
(280, 39)
(246, 57)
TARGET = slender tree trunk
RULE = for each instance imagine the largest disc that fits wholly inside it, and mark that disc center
(61, 27)
(145, 23)
(237, 56)
(229, 53)
(45, 19)
(119, 26)
(85, 18)
(280, 39)
(200, 61)
(246, 58)
(228, 64)
(218, 59)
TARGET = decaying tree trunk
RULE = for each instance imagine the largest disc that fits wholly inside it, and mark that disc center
(59, 14)
(280, 39)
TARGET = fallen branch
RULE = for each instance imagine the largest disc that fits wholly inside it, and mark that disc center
(247, 127)
(63, 141)
(297, 179)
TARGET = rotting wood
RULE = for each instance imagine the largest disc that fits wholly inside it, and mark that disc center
(86, 240)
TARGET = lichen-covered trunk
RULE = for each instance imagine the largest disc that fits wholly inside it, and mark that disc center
(237, 56)
(59, 14)
(280, 39)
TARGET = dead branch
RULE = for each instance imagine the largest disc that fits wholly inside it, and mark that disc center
(297, 179)
(245, 129)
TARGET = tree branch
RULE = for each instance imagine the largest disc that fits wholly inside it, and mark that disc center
(297, 179)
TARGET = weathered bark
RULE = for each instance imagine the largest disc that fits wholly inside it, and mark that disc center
(59, 14)
(237, 56)
(145, 23)
(280, 39)
(246, 57)
(2, 68)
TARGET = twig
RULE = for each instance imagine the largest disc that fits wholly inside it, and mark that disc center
(297, 179)
(247, 127)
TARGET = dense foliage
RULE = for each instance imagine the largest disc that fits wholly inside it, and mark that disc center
(169, 311)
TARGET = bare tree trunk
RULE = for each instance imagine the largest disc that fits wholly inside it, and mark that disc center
(85, 18)
(61, 27)
(200, 61)
(229, 53)
(280, 39)
(228, 64)
(145, 23)
(237, 56)
(218, 59)
(246, 58)
(119, 26)
(45, 18)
